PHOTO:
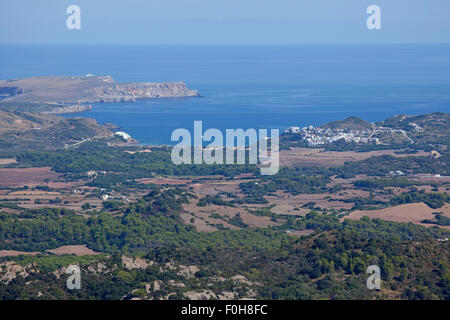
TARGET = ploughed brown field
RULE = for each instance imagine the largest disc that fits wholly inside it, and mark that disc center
(310, 156)
(19, 177)
(73, 194)
(78, 250)
(410, 212)
(206, 217)
(13, 253)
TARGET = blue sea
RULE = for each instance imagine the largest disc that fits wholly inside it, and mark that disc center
(251, 86)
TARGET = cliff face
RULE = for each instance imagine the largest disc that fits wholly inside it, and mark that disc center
(69, 109)
(88, 89)
(130, 92)
(27, 114)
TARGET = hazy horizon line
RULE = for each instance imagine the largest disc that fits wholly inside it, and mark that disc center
(223, 44)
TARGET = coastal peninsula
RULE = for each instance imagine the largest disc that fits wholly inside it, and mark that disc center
(87, 89)
(29, 108)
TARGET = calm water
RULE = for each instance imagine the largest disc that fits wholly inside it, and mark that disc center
(251, 86)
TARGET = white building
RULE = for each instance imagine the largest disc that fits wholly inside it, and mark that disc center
(293, 130)
(122, 134)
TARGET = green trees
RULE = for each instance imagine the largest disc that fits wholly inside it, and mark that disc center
(382, 183)
(151, 222)
(433, 200)
(290, 180)
(112, 205)
(120, 165)
(328, 264)
(440, 220)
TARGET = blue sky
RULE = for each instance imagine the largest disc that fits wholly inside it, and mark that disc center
(224, 22)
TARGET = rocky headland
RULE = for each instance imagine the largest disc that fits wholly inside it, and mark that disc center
(69, 109)
(76, 91)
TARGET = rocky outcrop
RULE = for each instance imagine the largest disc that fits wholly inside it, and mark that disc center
(145, 90)
(135, 263)
(69, 109)
(200, 295)
(10, 270)
(88, 89)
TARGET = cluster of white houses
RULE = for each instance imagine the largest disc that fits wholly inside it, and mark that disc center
(316, 136)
